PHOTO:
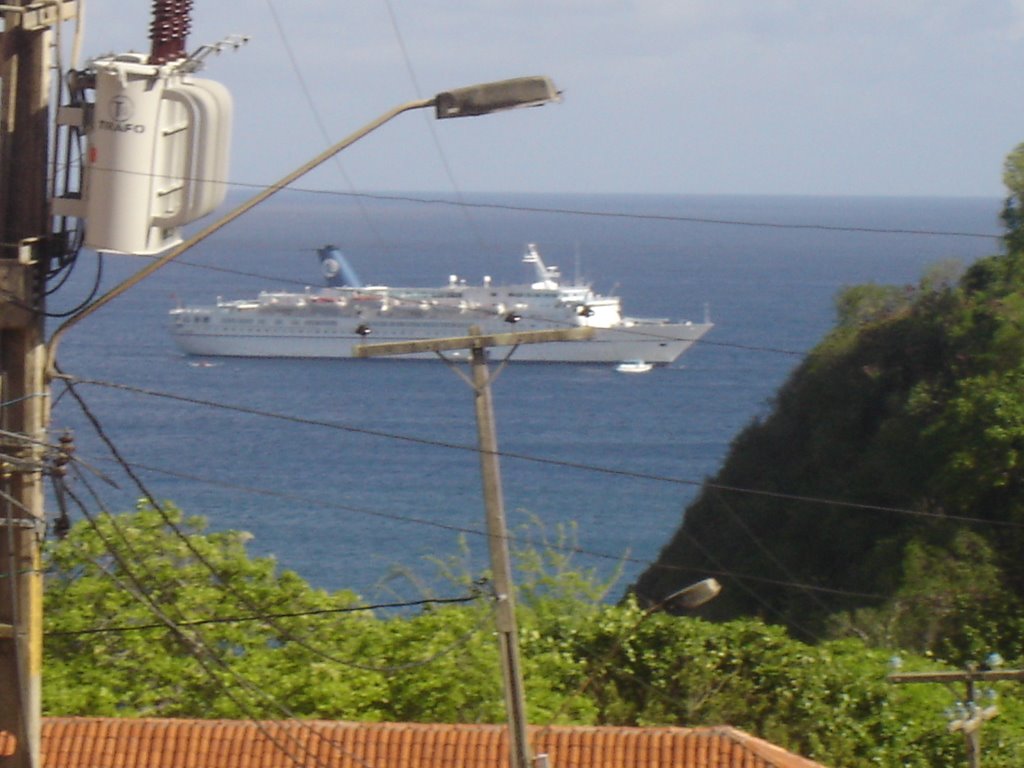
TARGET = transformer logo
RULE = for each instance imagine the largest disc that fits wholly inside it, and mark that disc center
(120, 110)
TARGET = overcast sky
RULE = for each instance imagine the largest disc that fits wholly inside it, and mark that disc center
(806, 97)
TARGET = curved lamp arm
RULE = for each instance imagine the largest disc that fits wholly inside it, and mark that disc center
(461, 102)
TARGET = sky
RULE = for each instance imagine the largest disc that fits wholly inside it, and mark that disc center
(779, 97)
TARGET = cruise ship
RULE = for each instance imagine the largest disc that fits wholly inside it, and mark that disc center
(329, 322)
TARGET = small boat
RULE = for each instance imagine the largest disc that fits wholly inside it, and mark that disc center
(633, 366)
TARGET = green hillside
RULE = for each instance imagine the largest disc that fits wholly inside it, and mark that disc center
(888, 475)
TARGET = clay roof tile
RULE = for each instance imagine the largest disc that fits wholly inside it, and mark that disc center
(165, 743)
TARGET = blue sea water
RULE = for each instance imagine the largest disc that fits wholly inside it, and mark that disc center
(358, 474)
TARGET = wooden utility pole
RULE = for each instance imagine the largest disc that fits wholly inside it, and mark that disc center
(24, 403)
(497, 534)
(974, 716)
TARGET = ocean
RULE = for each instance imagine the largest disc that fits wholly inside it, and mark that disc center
(362, 475)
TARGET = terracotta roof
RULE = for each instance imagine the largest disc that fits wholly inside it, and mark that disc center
(155, 743)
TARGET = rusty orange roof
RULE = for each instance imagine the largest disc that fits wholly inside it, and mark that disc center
(100, 742)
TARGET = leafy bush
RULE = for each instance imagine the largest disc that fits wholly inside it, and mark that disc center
(197, 651)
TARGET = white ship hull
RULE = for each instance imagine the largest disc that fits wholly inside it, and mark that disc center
(658, 344)
(332, 322)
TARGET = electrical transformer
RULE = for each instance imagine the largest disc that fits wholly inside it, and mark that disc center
(157, 148)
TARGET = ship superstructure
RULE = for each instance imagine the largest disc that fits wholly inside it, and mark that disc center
(329, 322)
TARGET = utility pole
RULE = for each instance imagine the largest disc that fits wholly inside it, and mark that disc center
(497, 534)
(973, 715)
(25, 233)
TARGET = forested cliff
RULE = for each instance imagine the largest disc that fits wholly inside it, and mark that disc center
(883, 494)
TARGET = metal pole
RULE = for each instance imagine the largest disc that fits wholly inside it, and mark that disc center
(972, 736)
(497, 535)
(976, 716)
(24, 405)
(497, 538)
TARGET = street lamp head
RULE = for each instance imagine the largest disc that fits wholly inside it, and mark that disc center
(693, 596)
(485, 98)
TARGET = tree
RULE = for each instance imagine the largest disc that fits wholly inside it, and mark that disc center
(859, 305)
(1013, 212)
(910, 416)
(585, 661)
(830, 701)
(123, 597)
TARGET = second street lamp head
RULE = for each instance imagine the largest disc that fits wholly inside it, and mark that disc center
(485, 98)
(694, 595)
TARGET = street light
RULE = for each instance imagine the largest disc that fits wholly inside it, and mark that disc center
(470, 101)
(691, 597)
(494, 97)
(688, 598)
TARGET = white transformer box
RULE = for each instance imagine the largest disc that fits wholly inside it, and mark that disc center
(158, 144)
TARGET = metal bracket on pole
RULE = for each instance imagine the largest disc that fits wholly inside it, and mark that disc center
(39, 16)
(18, 285)
(475, 341)
(19, 522)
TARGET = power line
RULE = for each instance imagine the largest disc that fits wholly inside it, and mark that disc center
(224, 583)
(264, 617)
(688, 219)
(628, 215)
(334, 504)
(317, 117)
(194, 645)
(742, 525)
(431, 128)
(201, 650)
(513, 538)
(740, 578)
(632, 474)
(268, 618)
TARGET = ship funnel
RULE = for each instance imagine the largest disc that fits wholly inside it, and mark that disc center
(337, 271)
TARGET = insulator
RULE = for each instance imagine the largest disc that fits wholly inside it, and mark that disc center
(67, 448)
(63, 457)
(172, 21)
